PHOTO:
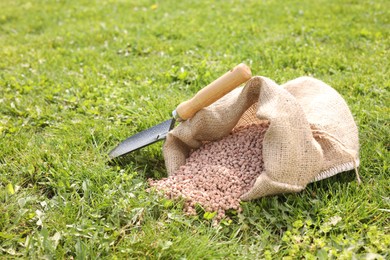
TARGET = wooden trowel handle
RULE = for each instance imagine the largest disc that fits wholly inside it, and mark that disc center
(214, 91)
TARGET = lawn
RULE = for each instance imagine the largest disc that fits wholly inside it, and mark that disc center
(78, 77)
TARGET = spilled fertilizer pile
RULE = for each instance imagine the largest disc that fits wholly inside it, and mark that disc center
(218, 173)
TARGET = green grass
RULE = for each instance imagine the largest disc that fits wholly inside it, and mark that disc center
(78, 77)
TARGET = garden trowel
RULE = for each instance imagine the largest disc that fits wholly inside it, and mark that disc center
(205, 97)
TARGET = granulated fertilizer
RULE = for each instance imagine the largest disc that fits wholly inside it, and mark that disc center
(218, 173)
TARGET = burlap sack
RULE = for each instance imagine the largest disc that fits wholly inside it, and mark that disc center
(311, 136)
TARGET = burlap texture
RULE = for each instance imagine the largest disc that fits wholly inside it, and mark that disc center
(311, 136)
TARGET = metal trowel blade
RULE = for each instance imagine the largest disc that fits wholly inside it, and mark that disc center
(142, 139)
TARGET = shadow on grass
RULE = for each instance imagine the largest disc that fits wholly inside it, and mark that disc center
(338, 180)
(320, 190)
(146, 161)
